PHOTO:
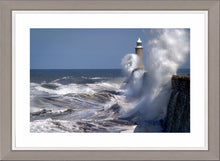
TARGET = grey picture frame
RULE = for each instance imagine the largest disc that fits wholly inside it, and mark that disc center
(6, 8)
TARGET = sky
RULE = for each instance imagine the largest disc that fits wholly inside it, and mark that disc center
(85, 48)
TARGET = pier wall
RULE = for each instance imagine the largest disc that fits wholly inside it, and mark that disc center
(178, 110)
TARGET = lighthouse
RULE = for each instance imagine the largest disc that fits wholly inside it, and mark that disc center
(139, 52)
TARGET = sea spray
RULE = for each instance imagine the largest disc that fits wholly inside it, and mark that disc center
(166, 52)
(129, 63)
(134, 84)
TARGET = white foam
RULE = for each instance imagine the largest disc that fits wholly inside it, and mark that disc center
(131, 130)
(96, 78)
(166, 53)
(65, 89)
(105, 86)
(135, 84)
(129, 63)
(49, 125)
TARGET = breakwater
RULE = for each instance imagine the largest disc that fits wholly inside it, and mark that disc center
(178, 110)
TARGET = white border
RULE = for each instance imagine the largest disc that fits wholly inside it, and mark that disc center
(22, 21)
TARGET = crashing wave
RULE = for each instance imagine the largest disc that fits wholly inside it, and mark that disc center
(152, 89)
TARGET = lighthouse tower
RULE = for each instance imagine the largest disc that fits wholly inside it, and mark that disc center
(139, 52)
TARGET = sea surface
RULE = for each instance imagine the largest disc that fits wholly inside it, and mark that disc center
(79, 100)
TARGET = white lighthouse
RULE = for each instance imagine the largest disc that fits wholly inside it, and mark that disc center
(139, 52)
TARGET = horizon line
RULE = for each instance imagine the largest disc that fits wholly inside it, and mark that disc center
(72, 68)
(80, 68)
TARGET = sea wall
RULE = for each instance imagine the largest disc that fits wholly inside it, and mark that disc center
(178, 110)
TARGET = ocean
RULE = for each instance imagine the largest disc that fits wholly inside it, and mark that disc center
(80, 100)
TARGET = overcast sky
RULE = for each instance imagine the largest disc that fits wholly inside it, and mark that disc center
(85, 48)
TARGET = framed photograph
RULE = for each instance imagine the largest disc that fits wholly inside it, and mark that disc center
(109, 80)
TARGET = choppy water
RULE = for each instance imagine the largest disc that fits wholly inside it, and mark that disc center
(79, 101)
